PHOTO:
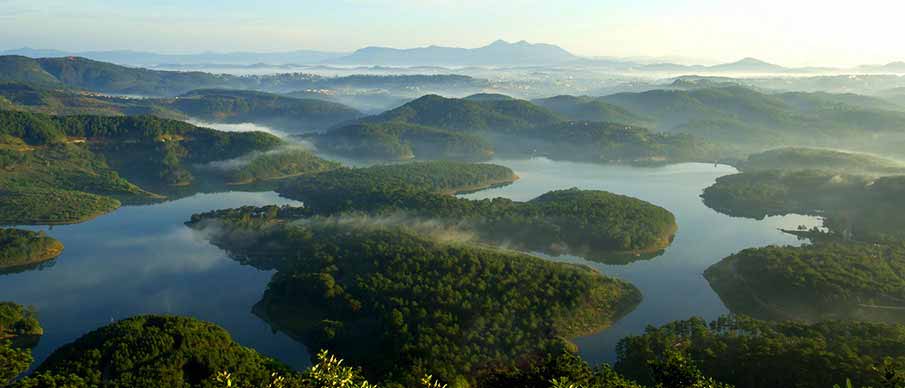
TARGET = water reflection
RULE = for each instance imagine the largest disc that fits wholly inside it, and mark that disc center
(673, 284)
(142, 259)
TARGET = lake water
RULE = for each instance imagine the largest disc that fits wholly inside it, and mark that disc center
(142, 259)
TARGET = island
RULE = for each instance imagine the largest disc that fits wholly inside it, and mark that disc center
(749, 353)
(423, 294)
(600, 225)
(22, 248)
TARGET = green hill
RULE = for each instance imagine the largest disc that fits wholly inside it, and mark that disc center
(453, 129)
(217, 105)
(155, 351)
(748, 119)
(602, 225)
(591, 109)
(402, 141)
(63, 169)
(447, 307)
(22, 248)
(495, 115)
(757, 354)
(295, 114)
(828, 280)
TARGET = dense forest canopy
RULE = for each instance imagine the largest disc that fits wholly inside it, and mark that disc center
(827, 280)
(798, 159)
(853, 206)
(64, 169)
(590, 222)
(402, 304)
(435, 127)
(749, 353)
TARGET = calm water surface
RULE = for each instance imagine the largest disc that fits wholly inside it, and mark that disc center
(142, 259)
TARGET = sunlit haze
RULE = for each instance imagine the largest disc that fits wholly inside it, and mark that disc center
(792, 33)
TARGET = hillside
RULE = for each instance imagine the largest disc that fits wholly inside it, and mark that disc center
(402, 141)
(22, 248)
(797, 159)
(590, 109)
(65, 169)
(827, 280)
(748, 119)
(86, 74)
(494, 115)
(353, 287)
(493, 124)
(294, 114)
(601, 225)
(748, 353)
(215, 105)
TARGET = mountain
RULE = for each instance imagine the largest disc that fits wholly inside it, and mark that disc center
(215, 105)
(893, 67)
(496, 53)
(466, 115)
(749, 65)
(144, 58)
(746, 65)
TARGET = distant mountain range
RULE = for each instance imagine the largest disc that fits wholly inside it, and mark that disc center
(496, 53)
(499, 53)
(143, 58)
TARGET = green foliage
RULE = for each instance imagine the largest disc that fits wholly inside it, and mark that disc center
(563, 221)
(16, 320)
(155, 351)
(854, 206)
(259, 107)
(434, 127)
(402, 304)
(797, 159)
(21, 248)
(279, 164)
(64, 169)
(750, 119)
(749, 353)
(402, 141)
(590, 109)
(13, 361)
(827, 280)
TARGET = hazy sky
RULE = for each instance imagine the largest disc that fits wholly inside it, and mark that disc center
(790, 32)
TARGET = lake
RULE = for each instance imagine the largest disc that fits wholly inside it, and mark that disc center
(142, 259)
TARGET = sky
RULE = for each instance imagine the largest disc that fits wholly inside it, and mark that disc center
(788, 32)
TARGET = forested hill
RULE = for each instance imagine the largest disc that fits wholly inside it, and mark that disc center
(63, 169)
(296, 114)
(798, 159)
(742, 117)
(497, 115)
(476, 127)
